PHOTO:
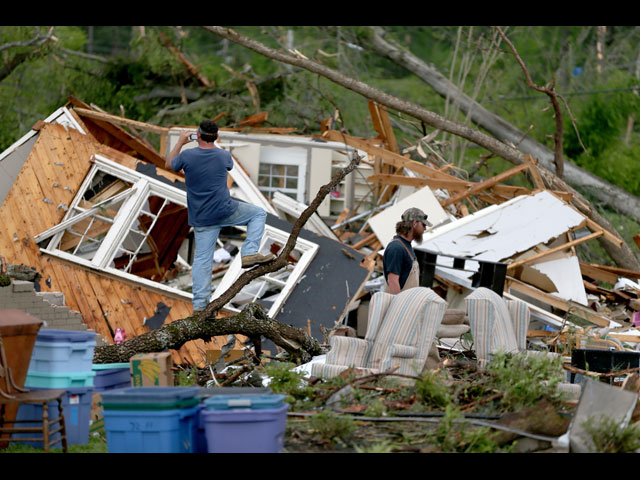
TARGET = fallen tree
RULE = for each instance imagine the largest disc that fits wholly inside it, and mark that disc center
(251, 322)
(497, 126)
(622, 255)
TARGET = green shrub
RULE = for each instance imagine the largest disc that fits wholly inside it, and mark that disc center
(525, 379)
(608, 436)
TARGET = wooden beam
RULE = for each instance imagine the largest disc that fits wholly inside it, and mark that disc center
(533, 169)
(596, 273)
(557, 302)
(621, 272)
(253, 120)
(383, 122)
(593, 226)
(387, 156)
(107, 117)
(456, 185)
(365, 241)
(564, 246)
(490, 182)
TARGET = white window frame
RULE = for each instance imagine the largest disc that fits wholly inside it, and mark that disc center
(308, 251)
(135, 198)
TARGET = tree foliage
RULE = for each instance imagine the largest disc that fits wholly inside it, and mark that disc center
(130, 69)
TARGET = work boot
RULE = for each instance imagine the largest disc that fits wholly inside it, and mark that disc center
(249, 261)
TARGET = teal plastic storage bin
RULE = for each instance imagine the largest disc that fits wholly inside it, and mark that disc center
(76, 407)
(110, 376)
(151, 431)
(252, 402)
(59, 380)
(139, 397)
(245, 430)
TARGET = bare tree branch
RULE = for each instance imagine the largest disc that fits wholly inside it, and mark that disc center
(549, 90)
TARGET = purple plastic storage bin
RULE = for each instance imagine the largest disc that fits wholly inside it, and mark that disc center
(245, 431)
(111, 376)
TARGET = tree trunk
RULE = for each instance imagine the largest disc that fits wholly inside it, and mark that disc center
(622, 256)
(605, 192)
(251, 322)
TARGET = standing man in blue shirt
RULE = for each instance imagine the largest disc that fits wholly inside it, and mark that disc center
(210, 207)
(401, 268)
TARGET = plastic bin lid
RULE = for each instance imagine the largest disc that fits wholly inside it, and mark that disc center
(52, 335)
(149, 394)
(109, 366)
(243, 401)
(210, 392)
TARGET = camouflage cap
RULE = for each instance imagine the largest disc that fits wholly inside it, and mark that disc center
(415, 214)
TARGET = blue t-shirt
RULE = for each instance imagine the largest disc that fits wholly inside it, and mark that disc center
(397, 260)
(205, 172)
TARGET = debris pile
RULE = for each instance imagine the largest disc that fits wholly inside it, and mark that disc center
(88, 204)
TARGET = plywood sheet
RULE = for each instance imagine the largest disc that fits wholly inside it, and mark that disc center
(384, 223)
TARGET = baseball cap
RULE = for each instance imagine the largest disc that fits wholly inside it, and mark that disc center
(415, 214)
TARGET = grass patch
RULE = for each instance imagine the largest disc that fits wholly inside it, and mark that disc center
(97, 444)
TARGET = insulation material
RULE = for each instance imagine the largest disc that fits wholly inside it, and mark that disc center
(384, 223)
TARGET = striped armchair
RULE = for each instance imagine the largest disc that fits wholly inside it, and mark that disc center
(496, 324)
(400, 331)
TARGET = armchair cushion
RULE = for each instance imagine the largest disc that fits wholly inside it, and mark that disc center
(491, 324)
(403, 351)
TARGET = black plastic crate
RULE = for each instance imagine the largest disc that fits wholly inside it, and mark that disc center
(604, 361)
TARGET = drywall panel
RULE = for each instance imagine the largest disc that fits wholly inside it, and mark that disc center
(500, 231)
(565, 274)
(319, 175)
(384, 223)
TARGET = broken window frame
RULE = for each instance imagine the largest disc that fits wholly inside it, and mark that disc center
(123, 223)
(308, 252)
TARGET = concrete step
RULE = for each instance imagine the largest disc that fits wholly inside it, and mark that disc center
(54, 298)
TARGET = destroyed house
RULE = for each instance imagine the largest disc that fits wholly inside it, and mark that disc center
(92, 209)
(95, 228)
(87, 206)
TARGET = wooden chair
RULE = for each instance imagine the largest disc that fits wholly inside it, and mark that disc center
(12, 394)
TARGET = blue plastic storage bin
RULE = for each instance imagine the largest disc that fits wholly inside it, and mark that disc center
(245, 431)
(53, 335)
(59, 380)
(151, 431)
(111, 376)
(76, 407)
(62, 357)
(253, 402)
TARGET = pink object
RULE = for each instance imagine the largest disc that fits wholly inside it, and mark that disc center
(120, 335)
(636, 319)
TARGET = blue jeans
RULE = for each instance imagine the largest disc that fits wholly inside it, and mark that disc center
(250, 215)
